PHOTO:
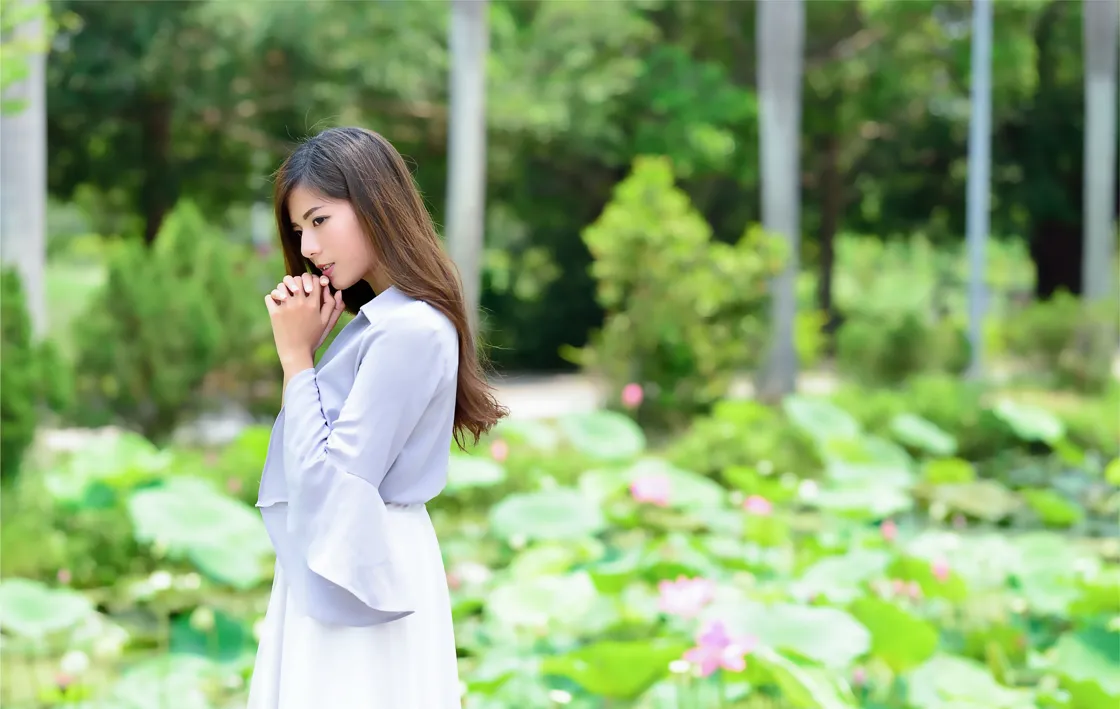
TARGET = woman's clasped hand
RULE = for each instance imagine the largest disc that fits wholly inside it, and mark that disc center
(303, 312)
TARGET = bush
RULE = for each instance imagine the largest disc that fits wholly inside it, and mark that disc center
(889, 348)
(18, 375)
(1068, 342)
(32, 377)
(684, 313)
(168, 316)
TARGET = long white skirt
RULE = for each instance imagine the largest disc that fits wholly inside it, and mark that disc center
(405, 664)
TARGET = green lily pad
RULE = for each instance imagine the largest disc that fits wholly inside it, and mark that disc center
(866, 475)
(552, 514)
(543, 602)
(840, 579)
(872, 502)
(224, 537)
(949, 471)
(33, 610)
(466, 471)
(829, 636)
(1088, 663)
(603, 435)
(920, 433)
(616, 669)
(688, 490)
(117, 461)
(1030, 423)
(1053, 509)
(820, 419)
(803, 687)
(173, 681)
(983, 499)
(947, 681)
(899, 638)
(226, 641)
(531, 432)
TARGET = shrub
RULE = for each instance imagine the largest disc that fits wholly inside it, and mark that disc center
(18, 375)
(1068, 342)
(166, 317)
(889, 348)
(684, 314)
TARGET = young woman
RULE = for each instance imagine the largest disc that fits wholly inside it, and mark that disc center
(359, 616)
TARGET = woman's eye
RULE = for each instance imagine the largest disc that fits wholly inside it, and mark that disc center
(318, 221)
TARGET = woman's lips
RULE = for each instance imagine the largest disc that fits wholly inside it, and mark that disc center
(327, 270)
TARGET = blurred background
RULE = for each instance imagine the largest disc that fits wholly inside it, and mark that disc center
(806, 313)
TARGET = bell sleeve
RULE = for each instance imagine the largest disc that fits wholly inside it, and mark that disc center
(336, 516)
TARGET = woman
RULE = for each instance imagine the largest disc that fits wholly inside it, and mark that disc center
(359, 615)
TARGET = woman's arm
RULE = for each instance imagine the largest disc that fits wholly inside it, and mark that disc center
(292, 368)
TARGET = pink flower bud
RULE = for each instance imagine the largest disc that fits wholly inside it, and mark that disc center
(632, 395)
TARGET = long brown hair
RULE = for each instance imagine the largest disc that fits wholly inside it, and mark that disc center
(363, 168)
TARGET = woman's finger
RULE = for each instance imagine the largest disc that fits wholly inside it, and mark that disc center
(308, 283)
(279, 294)
(293, 285)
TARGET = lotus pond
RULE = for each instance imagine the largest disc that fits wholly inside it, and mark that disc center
(875, 549)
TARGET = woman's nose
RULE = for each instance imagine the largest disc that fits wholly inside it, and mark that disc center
(309, 246)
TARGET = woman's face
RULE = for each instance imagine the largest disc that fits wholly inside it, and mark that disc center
(331, 237)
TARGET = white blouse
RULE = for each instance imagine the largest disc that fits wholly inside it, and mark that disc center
(371, 424)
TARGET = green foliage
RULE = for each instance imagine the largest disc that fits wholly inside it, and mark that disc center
(1066, 341)
(19, 388)
(888, 350)
(820, 541)
(166, 317)
(684, 313)
(33, 378)
(27, 28)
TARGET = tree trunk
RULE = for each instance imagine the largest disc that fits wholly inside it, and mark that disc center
(159, 191)
(23, 180)
(1101, 19)
(466, 170)
(832, 203)
(979, 179)
(1056, 238)
(780, 44)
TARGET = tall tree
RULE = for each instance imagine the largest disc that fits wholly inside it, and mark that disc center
(979, 176)
(466, 173)
(780, 45)
(1101, 20)
(23, 159)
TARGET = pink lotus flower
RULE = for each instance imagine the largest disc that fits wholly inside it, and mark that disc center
(899, 587)
(64, 576)
(959, 521)
(632, 395)
(685, 597)
(499, 450)
(654, 489)
(233, 485)
(914, 590)
(889, 530)
(859, 676)
(758, 505)
(940, 569)
(715, 649)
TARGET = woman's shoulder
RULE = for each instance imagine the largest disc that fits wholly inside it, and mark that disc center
(413, 323)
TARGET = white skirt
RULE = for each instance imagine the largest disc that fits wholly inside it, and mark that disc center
(405, 664)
